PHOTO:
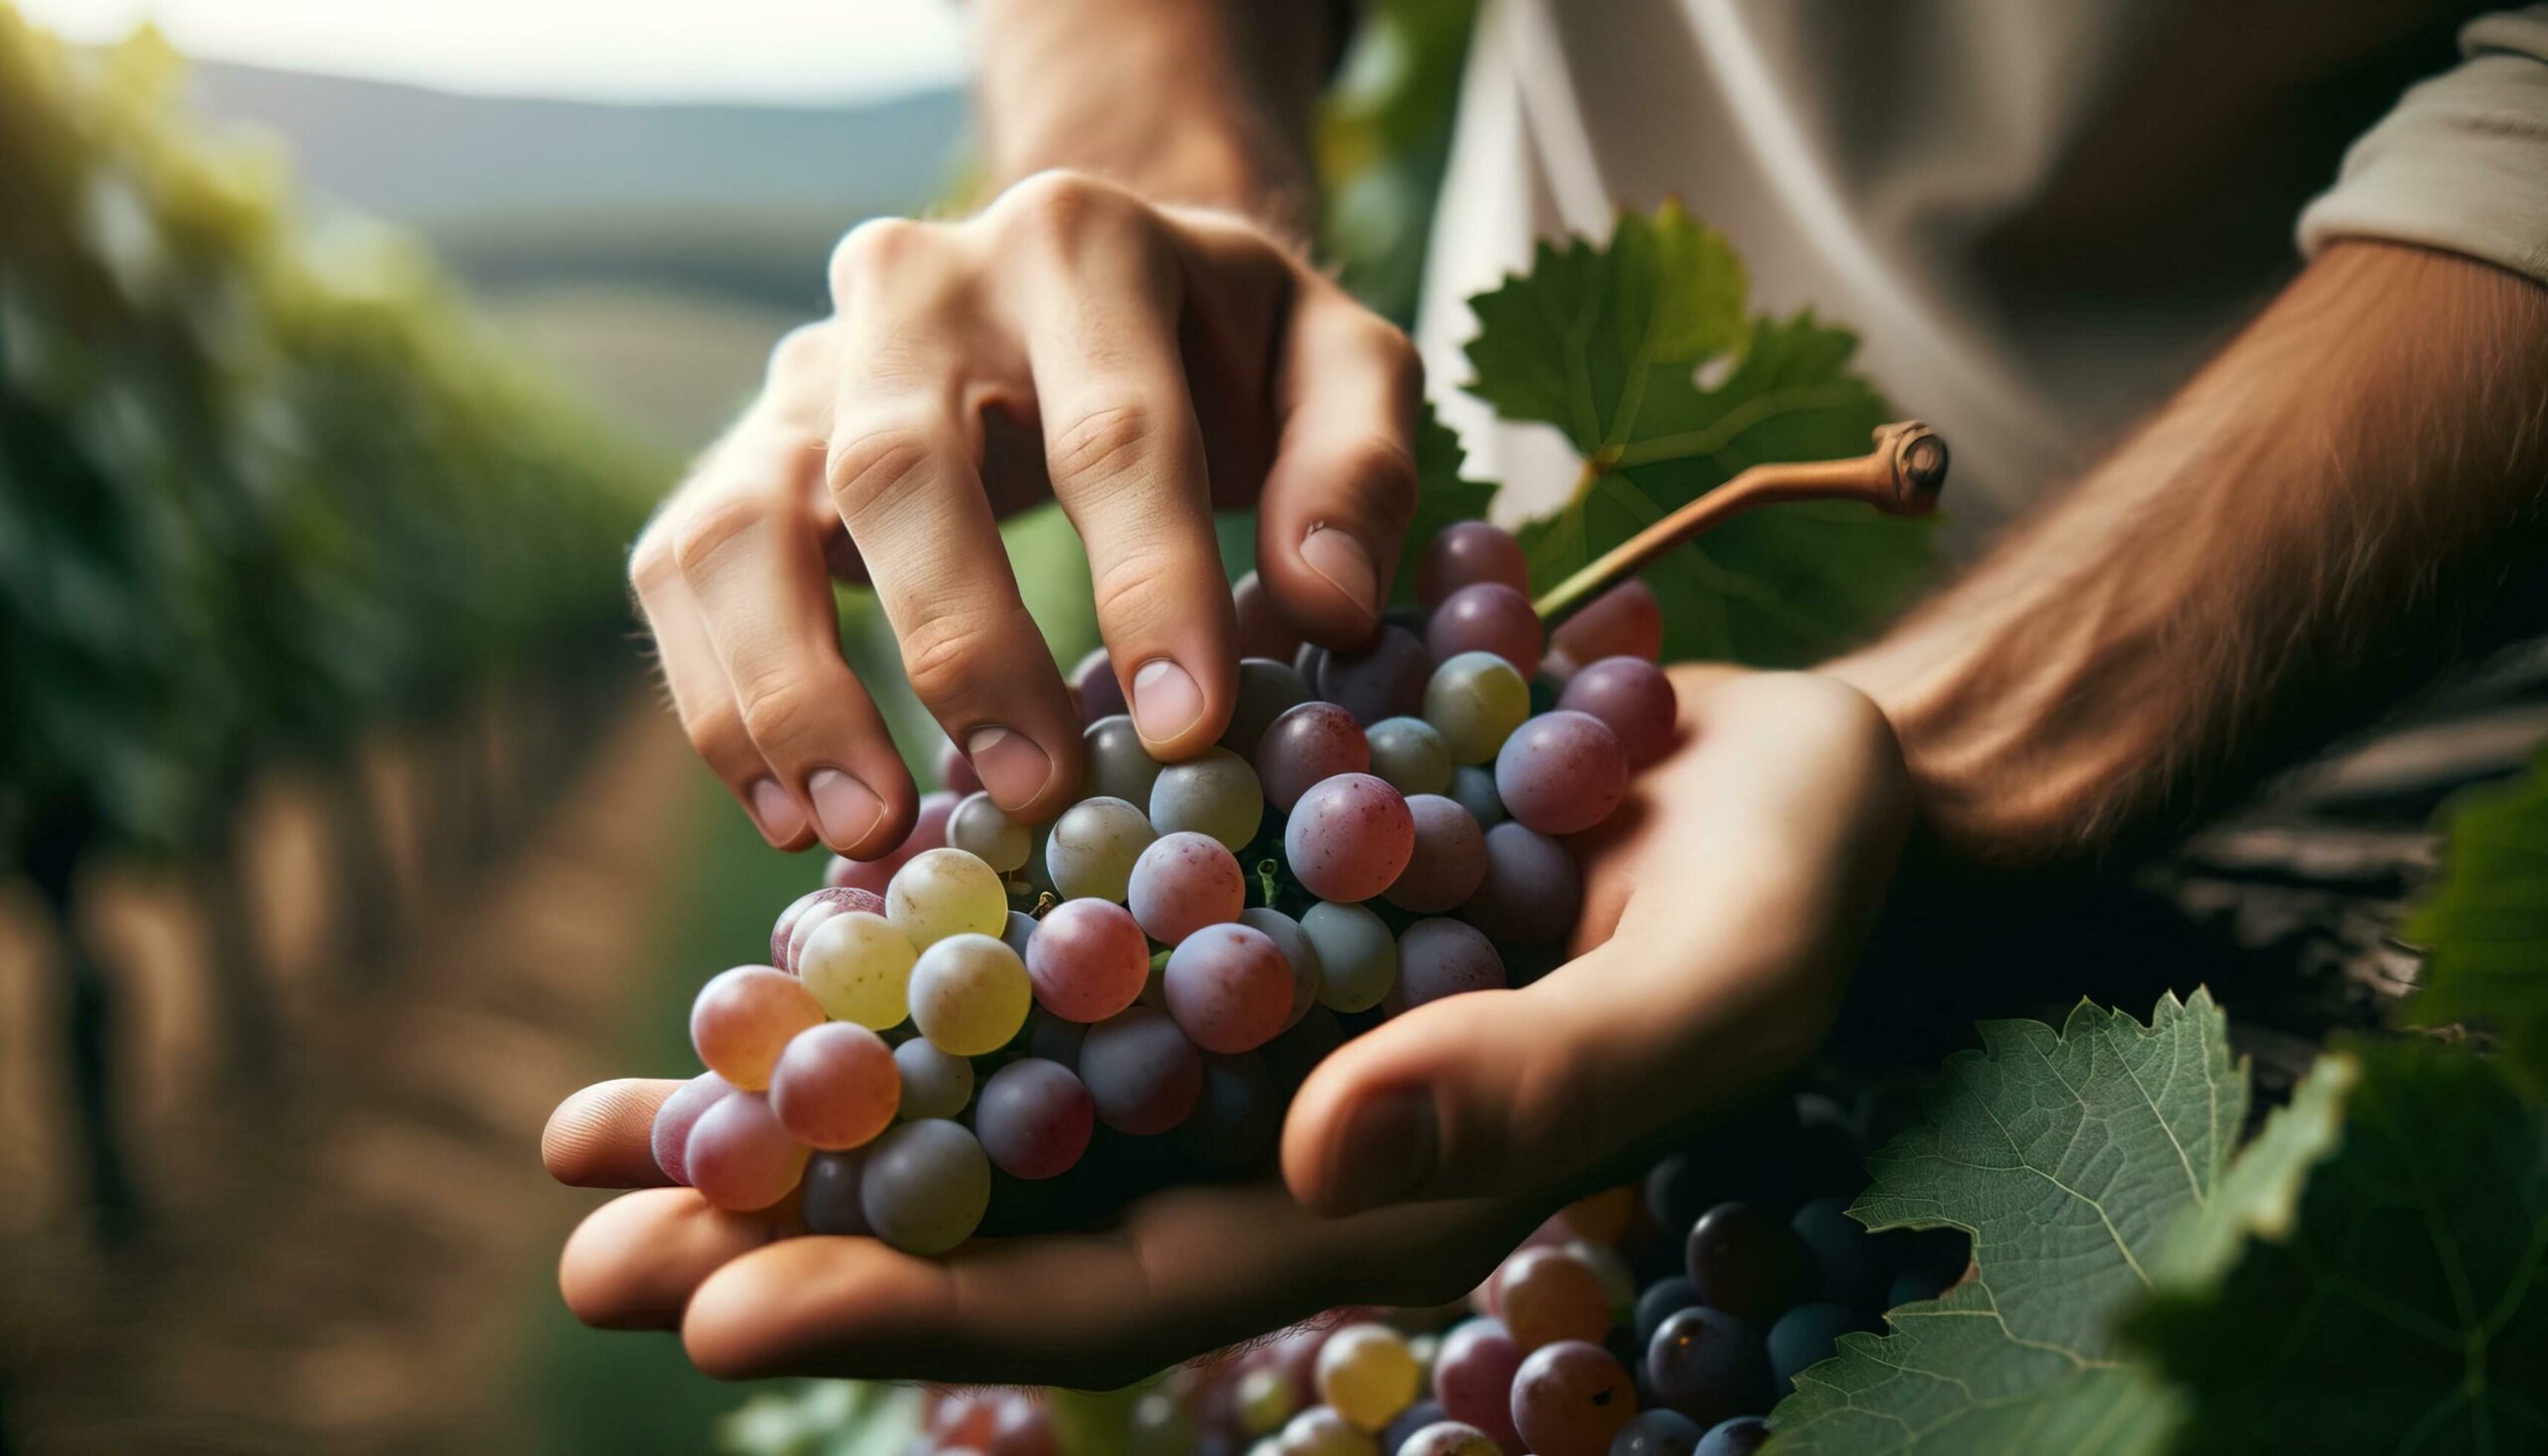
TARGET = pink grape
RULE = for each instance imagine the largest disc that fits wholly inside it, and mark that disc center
(1350, 837)
(1532, 888)
(1444, 958)
(1635, 697)
(1447, 862)
(1562, 772)
(1383, 678)
(1141, 1071)
(836, 1086)
(1464, 553)
(1571, 1398)
(1101, 692)
(745, 1016)
(1229, 988)
(741, 1156)
(1182, 883)
(1263, 631)
(1487, 617)
(678, 1115)
(1473, 1378)
(1307, 746)
(1298, 950)
(1626, 621)
(1034, 1119)
(1087, 960)
(798, 922)
(1545, 1295)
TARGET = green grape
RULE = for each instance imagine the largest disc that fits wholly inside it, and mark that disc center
(1411, 755)
(943, 893)
(1216, 794)
(1264, 1400)
(1357, 957)
(860, 968)
(1093, 848)
(983, 830)
(969, 995)
(1475, 701)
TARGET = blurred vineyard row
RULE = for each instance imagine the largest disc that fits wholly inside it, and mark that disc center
(268, 501)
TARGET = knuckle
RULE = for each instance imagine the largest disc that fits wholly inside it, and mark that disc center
(868, 469)
(873, 249)
(802, 350)
(716, 735)
(651, 564)
(1064, 213)
(1103, 443)
(1381, 473)
(706, 531)
(780, 711)
(941, 655)
(1136, 588)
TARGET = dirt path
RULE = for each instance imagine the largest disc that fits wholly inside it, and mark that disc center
(353, 1272)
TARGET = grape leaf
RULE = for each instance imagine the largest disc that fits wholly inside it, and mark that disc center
(2486, 928)
(1441, 497)
(2402, 1308)
(2068, 1157)
(1610, 346)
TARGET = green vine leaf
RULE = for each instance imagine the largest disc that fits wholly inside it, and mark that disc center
(2068, 1157)
(2398, 1303)
(2486, 928)
(1609, 343)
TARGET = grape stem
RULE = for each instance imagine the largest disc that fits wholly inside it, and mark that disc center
(1901, 476)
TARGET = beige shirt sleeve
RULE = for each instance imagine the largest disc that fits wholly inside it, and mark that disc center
(2462, 163)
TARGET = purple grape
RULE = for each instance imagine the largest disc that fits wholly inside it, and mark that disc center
(1448, 860)
(831, 1190)
(1657, 1433)
(1112, 763)
(1740, 1436)
(678, 1114)
(1056, 1040)
(1297, 950)
(1101, 692)
(1464, 553)
(1473, 790)
(1349, 838)
(1746, 1262)
(1571, 1398)
(1473, 1378)
(1487, 616)
(1626, 621)
(1262, 629)
(956, 772)
(1562, 772)
(1383, 678)
(1238, 1115)
(1661, 1299)
(1439, 957)
(1229, 988)
(1034, 1119)
(1182, 883)
(926, 1186)
(1635, 699)
(1708, 1365)
(1305, 746)
(1532, 889)
(1141, 1071)
(1266, 690)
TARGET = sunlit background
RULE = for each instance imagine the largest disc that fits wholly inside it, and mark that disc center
(343, 348)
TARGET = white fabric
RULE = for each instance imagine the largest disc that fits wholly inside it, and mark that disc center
(2038, 217)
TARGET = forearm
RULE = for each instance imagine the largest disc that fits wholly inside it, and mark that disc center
(1183, 101)
(2292, 540)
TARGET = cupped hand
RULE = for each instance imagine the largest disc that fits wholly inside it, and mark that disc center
(1722, 910)
(1140, 364)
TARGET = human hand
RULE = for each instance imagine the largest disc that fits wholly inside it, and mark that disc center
(1722, 912)
(1140, 364)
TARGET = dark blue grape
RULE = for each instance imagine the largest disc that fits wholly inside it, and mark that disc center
(1411, 1420)
(1805, 1336)
(1745, 1262)
(1658, 1433)
(1708, 1365)
(1740, 1436)
(1660, 1301)
(1850, 1265)
(831, 1192)
(1677, 1192)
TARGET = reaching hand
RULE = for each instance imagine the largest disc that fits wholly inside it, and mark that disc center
(1723, 908)
(1140, 364)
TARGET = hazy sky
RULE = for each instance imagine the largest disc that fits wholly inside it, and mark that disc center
(637, 50)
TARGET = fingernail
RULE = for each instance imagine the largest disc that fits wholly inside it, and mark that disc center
(780, 819)
(1011, 767)
(1346, 564)
(1165, 700)
(1387, 1150)
(844, 809)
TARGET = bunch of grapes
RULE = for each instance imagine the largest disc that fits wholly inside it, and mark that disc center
(1663, 1319)
(1004, 1027)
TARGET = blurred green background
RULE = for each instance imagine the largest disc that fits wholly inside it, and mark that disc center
(340, 830)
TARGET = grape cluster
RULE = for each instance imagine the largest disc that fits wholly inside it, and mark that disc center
(1656, 1320)
(997, 1026)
